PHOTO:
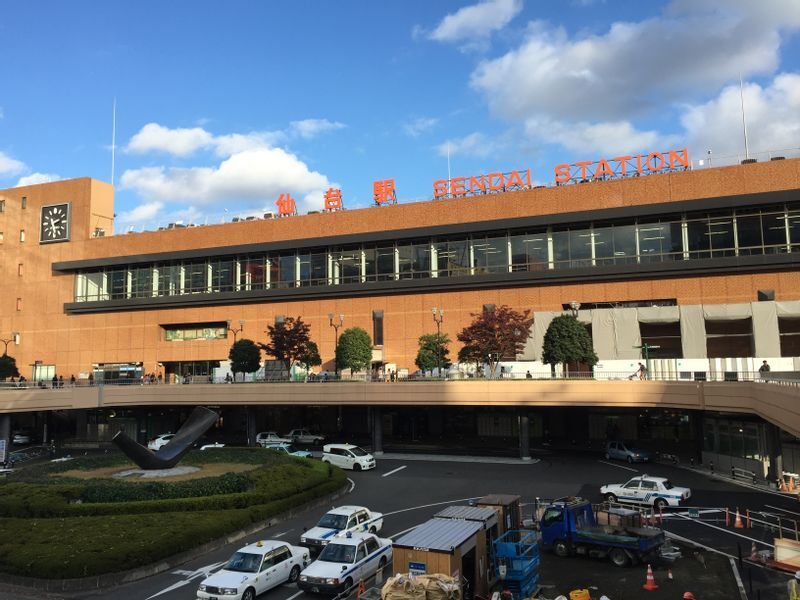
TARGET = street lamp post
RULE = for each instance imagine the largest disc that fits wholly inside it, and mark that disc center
(438, 318)
(575, 306)
(6, 342)
(236, 332)
(335, 326)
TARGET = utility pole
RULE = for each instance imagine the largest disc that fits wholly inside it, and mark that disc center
(335, 326)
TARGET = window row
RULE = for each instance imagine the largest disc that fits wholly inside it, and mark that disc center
(675, 238)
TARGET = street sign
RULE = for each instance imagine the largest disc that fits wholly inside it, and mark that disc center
(416, 568)
(694, 513)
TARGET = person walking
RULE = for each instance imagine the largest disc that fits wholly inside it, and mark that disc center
(764, 369)
(642, 371)
(528, 375)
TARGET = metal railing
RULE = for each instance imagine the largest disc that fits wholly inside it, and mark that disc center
(791, 378)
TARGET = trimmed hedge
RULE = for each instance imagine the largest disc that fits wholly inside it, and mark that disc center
(50, 530)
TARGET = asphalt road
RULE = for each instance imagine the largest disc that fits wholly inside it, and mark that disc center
(408, 496)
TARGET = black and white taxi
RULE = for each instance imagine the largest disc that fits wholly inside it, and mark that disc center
(338, 520)
(255, 569)
(346, 560)
(653, 491)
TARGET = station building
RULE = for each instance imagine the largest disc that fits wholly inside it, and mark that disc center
(699, 265)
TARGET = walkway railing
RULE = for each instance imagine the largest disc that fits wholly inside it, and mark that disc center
(789, 378)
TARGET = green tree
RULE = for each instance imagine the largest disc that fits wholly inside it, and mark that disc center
(288, 340)
(8, 367)
(433, 350)
(498, 334)
(354, 350)
(245, 357)
(567, 341)
(470, 355)
(311, 357)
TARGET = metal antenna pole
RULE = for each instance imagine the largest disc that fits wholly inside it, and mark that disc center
(744, 120)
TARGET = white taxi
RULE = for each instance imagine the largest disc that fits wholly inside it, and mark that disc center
(345, 561)
(255, 569)
(341, 519)
(657, 492)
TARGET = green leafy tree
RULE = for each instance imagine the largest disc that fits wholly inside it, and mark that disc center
(354, 350)
(288, 341)
(245, 357)
(311, 357)
(432, 351)
(498, 334)
(567, 341)
(8, 367)
(470, 355)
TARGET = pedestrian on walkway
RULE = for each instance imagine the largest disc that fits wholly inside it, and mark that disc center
(764, 370)
(642, 372)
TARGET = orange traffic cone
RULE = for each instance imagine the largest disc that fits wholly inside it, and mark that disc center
(753, 551)
(791, 484)
(737, 523)
(782, 487)
(361, 588)
(650, 582)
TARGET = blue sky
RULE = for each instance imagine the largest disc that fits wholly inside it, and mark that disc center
(225, 106)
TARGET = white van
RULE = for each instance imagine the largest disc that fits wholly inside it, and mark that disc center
(348, 456)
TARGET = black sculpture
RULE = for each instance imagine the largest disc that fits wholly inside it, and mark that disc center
(169, 454)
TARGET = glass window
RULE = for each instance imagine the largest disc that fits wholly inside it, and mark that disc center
(529, 251)
(572, 248)
(699, 239)
(794, 228)
(452, 258)
(632, 485)
(313, 268)
(615, 244)
(222, 275)
(195, 277)
(660, 241)
(720, 233)
(748, 232)
(414, 259)
(282, 271)
(346, 265)
(649, 485)
(117, 281)
(377, 327)
(490, 254)
(141, 282)
(773, 228)
(252, 273)
(379, 263)
(169, 280)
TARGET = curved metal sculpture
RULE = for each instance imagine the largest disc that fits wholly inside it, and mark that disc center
(170, 453)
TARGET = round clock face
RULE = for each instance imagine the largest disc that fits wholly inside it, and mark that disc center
(55, 223)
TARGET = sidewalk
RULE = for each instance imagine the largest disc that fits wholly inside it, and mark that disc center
(760, 485)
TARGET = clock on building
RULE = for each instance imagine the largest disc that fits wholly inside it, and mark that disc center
(55, 223)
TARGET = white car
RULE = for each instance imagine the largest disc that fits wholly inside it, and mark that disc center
(285, 448)
(20, 439)
(270, 437)
(160, 440)
(657, 492)
(345, 561)
(303, 436)
(212, 446)
(348, 456)
(338, 520)
(255, 569)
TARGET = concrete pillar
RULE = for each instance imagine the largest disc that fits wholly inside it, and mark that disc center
(524, 438)
(5, 437)
(250, 416)
(81, 426)
(377, 431)
(774, 451)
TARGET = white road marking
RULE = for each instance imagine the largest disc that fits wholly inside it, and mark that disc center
(727, 531)
(282, 533)
(394, 471)
(739, 584)
(399, 533)
(429, 505)
(295, 595)
(190, 575)
(352, 486)
(618, 466)
(791, 512)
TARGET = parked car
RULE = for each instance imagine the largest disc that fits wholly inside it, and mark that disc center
(303, 436)
(211, 446)
(338, 520)
(623, 451)
(657, 492)
(20, 438)
(270, 437)
(346, 560)
(348, 456)
(288, 449)
(160, 440)
(254, 569)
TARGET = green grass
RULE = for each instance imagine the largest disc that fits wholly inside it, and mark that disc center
(50, 531)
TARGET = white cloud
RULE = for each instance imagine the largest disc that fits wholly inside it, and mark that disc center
(256, 175)
(418, 126)
(10, 166)
(37, 178)
(773, 118)
(601, 138)
(147, 213)
(474, 24)
(474, 144)
(633, 67)
(179, 142)
(309, 128)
